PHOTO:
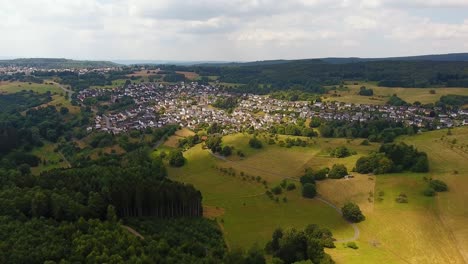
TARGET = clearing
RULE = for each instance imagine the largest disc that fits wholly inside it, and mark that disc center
(382, 94)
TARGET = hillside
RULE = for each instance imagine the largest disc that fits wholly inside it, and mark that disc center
(51, 63)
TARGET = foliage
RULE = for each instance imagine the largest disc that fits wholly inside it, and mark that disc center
(352, 245)
(176, 158)
(255, 143)
(341, 152)
(366, 92)
(396, 101)
(429, 191)
(438, 185)
(228, 103)
(352, 212)
(393, 158)
(292, 245)
(309, 190)
(338, 171)
(374, 130)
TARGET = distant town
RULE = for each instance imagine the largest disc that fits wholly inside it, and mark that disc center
(191, 105)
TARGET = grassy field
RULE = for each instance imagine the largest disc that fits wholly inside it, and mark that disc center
(193, 76)
(14, 87)
(248, 215)
(173, 141)
(381, 94)
(115, 83)
(426, 229)
(52, 159)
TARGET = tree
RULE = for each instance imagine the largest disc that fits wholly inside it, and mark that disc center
(24, 169)
(255, 143)
(309, 190)
(352, 212)
(226, 151)
(338, 171)
(176, 158)
(438, 185)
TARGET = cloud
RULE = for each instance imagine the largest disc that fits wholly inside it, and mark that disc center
(229, 30)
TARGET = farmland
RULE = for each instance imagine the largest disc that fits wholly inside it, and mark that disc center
(381, 94)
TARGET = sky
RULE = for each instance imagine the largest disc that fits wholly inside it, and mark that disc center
(231, 30)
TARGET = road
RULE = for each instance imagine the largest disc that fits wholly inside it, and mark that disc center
(357, 232)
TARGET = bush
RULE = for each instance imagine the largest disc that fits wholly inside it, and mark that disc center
(309, 190)
(341, 152)
(402, 198)
(255, 143)
(277, 190)
(176, 158)
(438, 185)
(352, 245)
(338, 171)
(291, 186)
(429, 192)
(352, 212)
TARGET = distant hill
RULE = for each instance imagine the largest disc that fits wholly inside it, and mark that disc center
(57, 63)
(437, 57)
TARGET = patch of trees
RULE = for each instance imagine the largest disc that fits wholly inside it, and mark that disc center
(176, 158)
(174, 77)
(228, 103)
(374, 130)
(214, 143)
(366, 92)
(453, 100)
(294, 245)
(20, 101)
(337, 171)
(352, 212)
(342, 152)
(393, 158)
(80, 82)
(255, 143)
(189, 141)
(435, 186)
(396, 101)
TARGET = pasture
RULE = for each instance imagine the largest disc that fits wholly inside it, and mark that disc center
(193, 76)
(50, 159)
(14, 87)
(424, 230)
(382, 94)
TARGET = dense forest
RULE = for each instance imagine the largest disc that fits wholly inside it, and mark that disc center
(310, 75)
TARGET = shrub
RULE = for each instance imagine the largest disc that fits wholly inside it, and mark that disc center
(291, 186)
(309, 190)
(438, 185)
(402, 198)
(255, 143)
(352, 212)
(352, 245)
(338, 171)
(429, 192)
(277, 190)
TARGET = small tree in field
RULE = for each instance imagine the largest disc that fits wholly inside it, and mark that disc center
(352, 212)
(309, 190)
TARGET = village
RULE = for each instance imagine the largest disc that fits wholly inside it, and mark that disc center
(191, 105)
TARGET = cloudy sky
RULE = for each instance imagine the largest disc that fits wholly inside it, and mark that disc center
(235, 30)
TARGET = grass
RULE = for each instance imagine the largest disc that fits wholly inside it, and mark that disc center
(249, 215)
(53, 159)
(14, 87)
(382, 94)
(189, 75)
(424, 230)
(115, 83)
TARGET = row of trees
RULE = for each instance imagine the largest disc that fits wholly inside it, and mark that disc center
(393, 158)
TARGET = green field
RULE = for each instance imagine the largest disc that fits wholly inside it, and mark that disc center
(425, 230)
(382, 94)
(115, 83)
(52, 159)
(14, 87)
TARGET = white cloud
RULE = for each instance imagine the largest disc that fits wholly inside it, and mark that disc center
(227, 30)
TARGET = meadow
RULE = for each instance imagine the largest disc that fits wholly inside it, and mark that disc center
(382, 94)
(14, 87)
(424, 230)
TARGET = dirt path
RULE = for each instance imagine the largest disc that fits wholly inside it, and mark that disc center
(357, 232)
(133, 231)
